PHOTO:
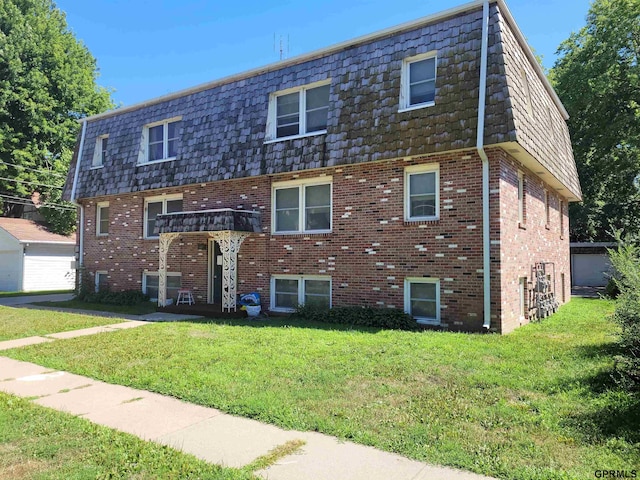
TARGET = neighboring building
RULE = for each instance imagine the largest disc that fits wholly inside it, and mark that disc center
(590, 264)
(425, 167)
(34, 259)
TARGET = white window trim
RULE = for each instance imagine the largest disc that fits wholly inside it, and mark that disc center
(143, 153)
(547, 209)
(404, 81)
(156, 274)
(164, 199)
(522, 297)
(97, 278)
(97, 162)
(99, 207)
(301, 292)
(301, 184)
(273, 111)
(522, 198)
(407, 299)
(417, 169)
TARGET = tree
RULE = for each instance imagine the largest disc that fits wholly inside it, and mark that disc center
(47, 82)
(597, 79)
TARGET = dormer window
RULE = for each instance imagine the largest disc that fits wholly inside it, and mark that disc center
(160, 141)
(418, 88)
(298, 111)
(100, 151)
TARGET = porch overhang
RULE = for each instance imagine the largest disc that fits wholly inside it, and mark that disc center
(209, 221)
(226, 226)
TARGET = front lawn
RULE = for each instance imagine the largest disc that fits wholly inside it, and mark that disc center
(536, 404)
(25, 322)
(36, 442)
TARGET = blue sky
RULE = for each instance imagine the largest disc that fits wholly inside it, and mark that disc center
(150, 48)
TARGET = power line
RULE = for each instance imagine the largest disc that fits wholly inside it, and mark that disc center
(30, 183)
(2, 162)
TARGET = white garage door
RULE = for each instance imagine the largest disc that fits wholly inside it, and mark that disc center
(10, 271)
(590, 269)
(48, 272)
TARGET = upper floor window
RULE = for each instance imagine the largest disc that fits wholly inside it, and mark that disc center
(547, 209)
(302, 206)
(422, 198)
(155, 206)
(160, 141)
(418, 88)
(521, 200)
(100, 152)
(299, 111)
(102, 218)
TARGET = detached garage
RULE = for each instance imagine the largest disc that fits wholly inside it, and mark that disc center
(590, 264)
(34, 259)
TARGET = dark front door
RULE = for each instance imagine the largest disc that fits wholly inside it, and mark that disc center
(215, 267)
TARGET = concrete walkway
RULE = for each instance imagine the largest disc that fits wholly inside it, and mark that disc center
(207, 433)
(54, 297)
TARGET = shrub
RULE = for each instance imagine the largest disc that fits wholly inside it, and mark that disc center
(391, 318)
(626, 260)
(106, 296)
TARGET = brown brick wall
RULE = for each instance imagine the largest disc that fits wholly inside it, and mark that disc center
(522, 246)
(371, 248)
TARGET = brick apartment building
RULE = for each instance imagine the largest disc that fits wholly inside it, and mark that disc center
(426, 167)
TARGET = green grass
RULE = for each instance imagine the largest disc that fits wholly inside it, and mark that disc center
(25, 322)
(536, 404)
(39, 443)
(28, 294)
(139, 309)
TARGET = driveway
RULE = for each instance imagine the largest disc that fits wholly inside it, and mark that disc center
(54, 297)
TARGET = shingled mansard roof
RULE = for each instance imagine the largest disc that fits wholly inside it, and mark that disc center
(223, 123)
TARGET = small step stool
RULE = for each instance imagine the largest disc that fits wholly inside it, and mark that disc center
(185, 296)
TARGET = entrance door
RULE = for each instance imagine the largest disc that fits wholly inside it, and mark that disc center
(215, 272)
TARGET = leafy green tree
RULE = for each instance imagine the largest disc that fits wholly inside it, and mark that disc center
(597, 78)
(47, 82)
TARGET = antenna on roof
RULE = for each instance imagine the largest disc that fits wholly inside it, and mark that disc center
(282, 46)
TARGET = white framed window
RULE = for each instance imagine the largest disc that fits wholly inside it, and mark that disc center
(299, 111)
(418, 81)
(521, 199)
(160, 141)
(289, 291)
(151, 280)
(522, 292)
(100, 151)
(422, 192)
(547, 209)
(561, 213)
(154, 206)
(302, 206)
(422, 299)
(102, 218)
(102, 280)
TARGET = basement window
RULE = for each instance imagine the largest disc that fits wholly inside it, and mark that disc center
(422, 299)
(289, 291)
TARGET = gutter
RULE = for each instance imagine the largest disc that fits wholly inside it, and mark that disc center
(73, 200)
(486, 242)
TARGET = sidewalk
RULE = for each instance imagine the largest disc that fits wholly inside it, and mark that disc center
(208, 433)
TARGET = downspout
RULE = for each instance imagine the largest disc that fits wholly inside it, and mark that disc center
(486, 241)
(73, 200)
